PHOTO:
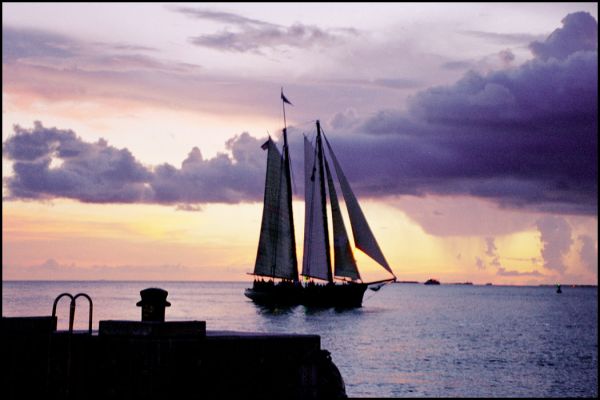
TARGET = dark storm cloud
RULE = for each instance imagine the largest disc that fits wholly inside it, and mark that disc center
(220, 179)
(252, 35)
(524, 137)
(90, 172)
(579, 32)
(99, 173)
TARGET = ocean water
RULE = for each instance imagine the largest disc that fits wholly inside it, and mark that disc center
(408, 340)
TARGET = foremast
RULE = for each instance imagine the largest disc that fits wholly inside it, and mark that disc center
(286, 163)
(276, 255)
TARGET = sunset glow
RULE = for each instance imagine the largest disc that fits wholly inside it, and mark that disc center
(132, 150)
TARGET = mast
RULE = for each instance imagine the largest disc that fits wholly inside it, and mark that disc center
(323, 200)
(286, 160)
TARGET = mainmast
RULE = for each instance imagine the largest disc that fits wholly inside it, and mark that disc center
(286, 160)
(323, 200)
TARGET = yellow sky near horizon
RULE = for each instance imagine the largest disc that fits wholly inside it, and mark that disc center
(148, 242)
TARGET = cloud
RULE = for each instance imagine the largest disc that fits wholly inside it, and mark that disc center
(453, 65)
(555, 236)
(491, 251)
(579, 33)
(506, 56)
(503, 38)
(46, 49)
(504, 272)
(30, 43)
(491, 247)
(100, 173)
(588, 252)
(256, 36)
(479, 263)
(524, 137)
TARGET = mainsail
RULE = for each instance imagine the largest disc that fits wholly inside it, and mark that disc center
(315, 261)
(363, 237)
(276, 253)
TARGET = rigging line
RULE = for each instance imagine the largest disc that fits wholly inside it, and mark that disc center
(374, 291)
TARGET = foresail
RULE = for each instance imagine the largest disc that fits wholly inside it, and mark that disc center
(345, 264)
(274, 256)
(363, 237)
(314, 263)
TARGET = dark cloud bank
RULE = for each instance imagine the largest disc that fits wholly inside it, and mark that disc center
(524, 137)
(99, 173)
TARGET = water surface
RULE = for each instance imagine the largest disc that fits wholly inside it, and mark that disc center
(407, 339)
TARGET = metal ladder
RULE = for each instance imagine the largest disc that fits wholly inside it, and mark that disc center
(72, 309)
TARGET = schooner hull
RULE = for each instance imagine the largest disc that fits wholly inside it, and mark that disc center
(268, 294)
(348, 295)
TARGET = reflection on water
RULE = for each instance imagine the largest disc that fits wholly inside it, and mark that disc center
(406, 340)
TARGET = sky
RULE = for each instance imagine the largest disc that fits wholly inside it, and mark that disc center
(131, 135)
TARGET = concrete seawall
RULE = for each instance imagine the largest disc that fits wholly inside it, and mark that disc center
(132, 359)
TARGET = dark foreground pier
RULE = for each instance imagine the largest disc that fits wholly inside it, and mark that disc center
(157, 359)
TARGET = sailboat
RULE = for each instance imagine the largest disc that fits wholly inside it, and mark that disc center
(276, 256)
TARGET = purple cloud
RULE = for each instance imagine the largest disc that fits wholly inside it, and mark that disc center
(555, 235)
(504, 272)
(254, 35)
(490, 247)
(525, 137)
(588, 252)
(99, 173)
(579, 33)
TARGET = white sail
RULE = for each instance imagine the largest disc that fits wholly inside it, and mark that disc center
(363, 237)
(314, 263)
(275, 251)
(345, 264)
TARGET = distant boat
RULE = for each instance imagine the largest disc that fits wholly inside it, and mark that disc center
(558, 289)
(432, 282)
(276, 256)
(488, 284)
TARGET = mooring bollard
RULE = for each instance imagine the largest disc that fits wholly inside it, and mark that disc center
(153, 303)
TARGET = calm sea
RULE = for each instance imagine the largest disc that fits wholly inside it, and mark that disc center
(407, 339)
